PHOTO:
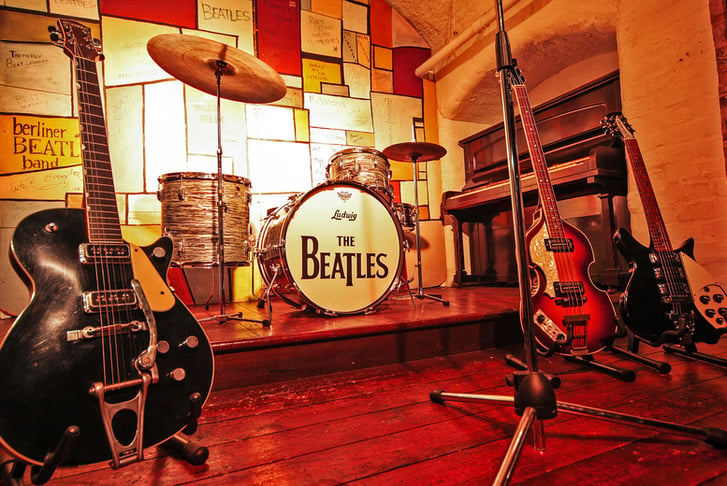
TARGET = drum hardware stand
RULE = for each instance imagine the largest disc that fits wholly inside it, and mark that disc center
(222, 317)
(534, 398)
(190, 59)
(416, 152)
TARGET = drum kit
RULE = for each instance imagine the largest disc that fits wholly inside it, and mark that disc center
(337, 249)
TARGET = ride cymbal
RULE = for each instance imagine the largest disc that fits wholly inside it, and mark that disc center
(195, 61)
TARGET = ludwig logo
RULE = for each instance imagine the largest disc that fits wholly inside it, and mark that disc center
(341, 215)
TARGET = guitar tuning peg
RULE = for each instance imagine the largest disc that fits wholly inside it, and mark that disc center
(54, 33)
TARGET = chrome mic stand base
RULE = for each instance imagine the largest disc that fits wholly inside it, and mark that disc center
(535, 400)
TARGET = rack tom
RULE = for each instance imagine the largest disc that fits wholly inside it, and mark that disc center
(366, 166)
(189, 217)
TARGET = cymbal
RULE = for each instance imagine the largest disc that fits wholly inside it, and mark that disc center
(193, 60)
(414, 151)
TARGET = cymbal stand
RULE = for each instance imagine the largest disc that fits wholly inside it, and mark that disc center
(534, 398)
(420, 293)
(222, 317)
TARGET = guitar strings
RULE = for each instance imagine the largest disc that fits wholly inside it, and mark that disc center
(657, 228)
(103, 227)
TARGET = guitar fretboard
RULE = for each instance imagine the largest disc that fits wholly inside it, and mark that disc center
(654, 220)
(540, 166)
(100, 194)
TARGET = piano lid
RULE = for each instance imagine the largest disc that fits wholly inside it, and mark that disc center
(569, 128)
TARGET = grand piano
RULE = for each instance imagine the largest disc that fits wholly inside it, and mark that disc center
(588, 172)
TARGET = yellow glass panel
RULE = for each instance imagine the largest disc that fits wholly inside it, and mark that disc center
(315, 72)
(302, 126)
(31, 143)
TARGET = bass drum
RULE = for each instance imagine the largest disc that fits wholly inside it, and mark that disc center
(337, 249)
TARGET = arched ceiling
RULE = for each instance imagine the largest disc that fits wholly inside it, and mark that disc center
(547, 37)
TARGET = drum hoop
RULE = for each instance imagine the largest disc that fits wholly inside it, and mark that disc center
(202, 176)
(283, 251)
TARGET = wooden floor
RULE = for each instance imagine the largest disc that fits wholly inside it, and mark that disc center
(375, 424)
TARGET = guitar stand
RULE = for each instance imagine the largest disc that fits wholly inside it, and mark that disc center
(12, 470)
(689, 350)
(187, 449)
(632, 352)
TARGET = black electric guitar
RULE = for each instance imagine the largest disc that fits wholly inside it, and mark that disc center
(104, 345)
(571, 315)
(669, 296)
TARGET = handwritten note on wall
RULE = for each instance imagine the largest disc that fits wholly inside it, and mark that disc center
(29, 143)
(320, 34)
(230, 17)
(339, 112)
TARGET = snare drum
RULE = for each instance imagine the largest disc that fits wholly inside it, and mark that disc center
(189, 217)
(337, 249)
(364, 165)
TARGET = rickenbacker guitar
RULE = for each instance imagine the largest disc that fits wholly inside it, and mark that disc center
(571, 315)
(103, 345)
(669, 296)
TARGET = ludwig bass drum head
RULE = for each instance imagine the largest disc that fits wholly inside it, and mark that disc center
(343, 248)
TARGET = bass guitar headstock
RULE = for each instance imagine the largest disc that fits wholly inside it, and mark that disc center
(616, 125)
(76, 40)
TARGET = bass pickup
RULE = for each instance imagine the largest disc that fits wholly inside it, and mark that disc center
(103, 252)
(570, 294)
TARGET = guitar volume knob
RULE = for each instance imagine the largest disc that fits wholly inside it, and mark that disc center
(177, 374)
(190, 343)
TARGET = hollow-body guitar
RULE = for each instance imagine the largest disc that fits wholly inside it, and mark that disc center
(104, 346)
(571, 315)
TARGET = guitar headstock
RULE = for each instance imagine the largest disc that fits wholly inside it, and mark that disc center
(615, 124)
(76, 40)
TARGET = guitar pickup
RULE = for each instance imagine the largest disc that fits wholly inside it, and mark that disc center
(95, 301)
(569, 294)
(558, 245)
(90, 332)
(93, 252)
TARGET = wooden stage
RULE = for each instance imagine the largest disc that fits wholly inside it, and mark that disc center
(317, 400)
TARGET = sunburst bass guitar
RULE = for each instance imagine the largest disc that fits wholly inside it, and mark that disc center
(571, 315)
(669, 296)
(103, 346)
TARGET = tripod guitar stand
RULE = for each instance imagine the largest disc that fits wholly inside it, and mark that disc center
(202, 64)
(534, 397)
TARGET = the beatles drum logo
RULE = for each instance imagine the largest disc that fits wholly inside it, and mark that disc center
(340, 265)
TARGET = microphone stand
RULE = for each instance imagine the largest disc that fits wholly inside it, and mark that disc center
(534, 398)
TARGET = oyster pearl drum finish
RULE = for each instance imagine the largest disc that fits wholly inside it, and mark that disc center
(337, 249)
(365, 165)
(189, 210)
